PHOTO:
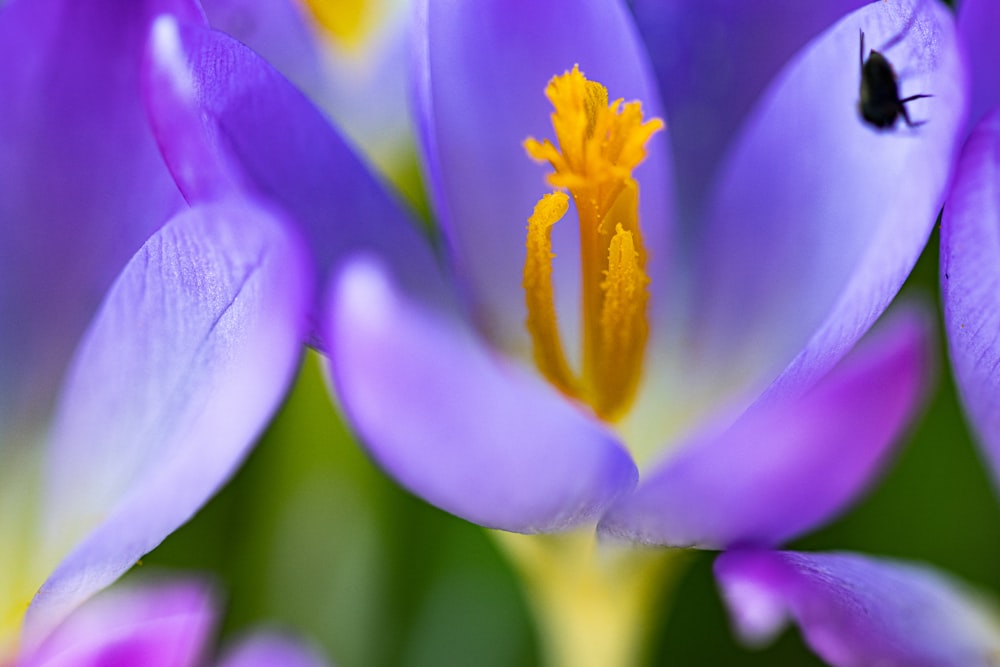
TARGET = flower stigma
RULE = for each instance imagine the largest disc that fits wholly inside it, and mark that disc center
(598, 145)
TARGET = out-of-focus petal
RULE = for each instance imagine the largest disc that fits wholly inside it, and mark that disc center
(367, 85)
(228, 122)
(480, 71)
(819, 217)
(358, 79)
(153, 625)
(463, 429)
(183, 366)
(82, 184)
(700, 53)
(970, 282)
(279, 31)
(785, 466)
(271, 650)
(856, 610)
(978, 23)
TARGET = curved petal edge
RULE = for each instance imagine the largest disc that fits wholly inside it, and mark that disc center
(788, 465)
(467, 431)
(859, 610)
(189, 356)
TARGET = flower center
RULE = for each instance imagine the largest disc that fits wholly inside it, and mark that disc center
(597, 146)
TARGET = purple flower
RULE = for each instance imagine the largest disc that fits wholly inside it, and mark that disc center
(145, 342)
(441, 396)
(766, 228)
(164, 624)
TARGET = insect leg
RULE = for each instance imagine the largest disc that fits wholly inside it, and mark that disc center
(906, 116)
(861, 52)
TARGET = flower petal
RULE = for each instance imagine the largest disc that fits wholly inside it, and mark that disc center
(978, 22)
(82, 185)
(465, 430)
(713, 59)
(480, 71)
(970, 282)
(188, 358)
(785, 466)
(228, 122)
(819, 216)
(270, 650)
(153, 625)
(857, 610)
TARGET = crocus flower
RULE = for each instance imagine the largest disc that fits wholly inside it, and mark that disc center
(144, 342)
(157, 624)
(727, 413)
(463, 417)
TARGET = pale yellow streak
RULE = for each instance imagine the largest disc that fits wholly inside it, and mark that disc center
(23, 565)
(593, 601)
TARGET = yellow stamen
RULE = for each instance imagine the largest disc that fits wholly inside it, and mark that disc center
(598, 145)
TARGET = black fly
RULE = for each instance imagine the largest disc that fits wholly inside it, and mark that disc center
(879, 101)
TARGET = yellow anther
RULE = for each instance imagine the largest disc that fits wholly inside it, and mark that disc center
(623, 325)
(598, 145)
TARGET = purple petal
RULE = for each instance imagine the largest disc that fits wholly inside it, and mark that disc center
(970, 282)
(480, 71)
(856, 610)
(161, 625)
(978, 23)
(785, 466)
(819, 217)
(180, 371)
(82, 184)
(271, 650)
(465, 430)
(227, 121)
(713, 59)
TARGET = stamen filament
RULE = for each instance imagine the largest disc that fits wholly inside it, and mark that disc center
(539, 296)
